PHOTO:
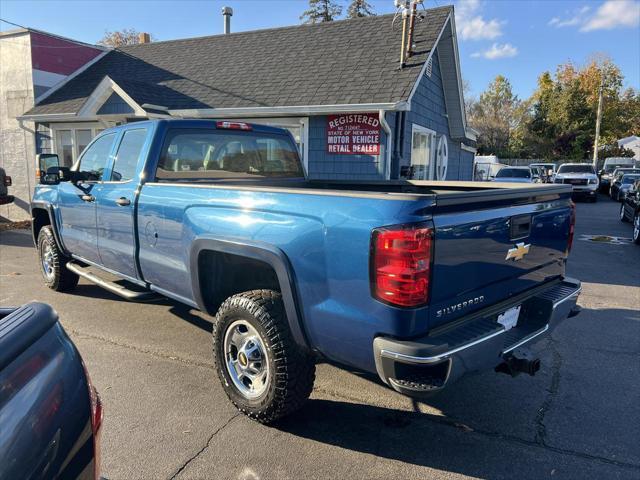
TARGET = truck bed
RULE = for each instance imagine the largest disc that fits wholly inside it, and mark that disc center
(445, 192)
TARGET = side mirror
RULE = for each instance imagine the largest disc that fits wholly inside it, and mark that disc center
(46, 161)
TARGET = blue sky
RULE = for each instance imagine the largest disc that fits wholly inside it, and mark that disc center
(518, 39)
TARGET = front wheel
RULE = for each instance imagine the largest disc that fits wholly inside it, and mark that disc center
(53, 263)
(623, 217)
(636, 228)
(263, 371)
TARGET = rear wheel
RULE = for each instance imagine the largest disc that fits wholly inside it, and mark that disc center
(263, 371)
(53, 263)
(636, 228)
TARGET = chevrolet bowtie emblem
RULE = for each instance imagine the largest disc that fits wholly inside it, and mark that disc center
(518, 252)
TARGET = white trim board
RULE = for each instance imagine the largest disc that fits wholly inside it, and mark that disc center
(100, 95)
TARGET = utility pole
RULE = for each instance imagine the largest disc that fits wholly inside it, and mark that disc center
(598, 119)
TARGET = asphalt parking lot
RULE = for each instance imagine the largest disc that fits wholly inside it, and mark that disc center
(167, 417)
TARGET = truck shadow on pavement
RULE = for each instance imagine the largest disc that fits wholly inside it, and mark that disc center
(184, 312)
(490, 425)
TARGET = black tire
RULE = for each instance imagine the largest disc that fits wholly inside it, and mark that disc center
(291, 371)
(623, 217)
(54, 270)
(636, 228)
(594, 199)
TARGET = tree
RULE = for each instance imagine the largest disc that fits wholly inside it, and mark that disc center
(614, 151)
(497, 116)
(564, 109)
(119, 38)
(359, 8)
(321, 11)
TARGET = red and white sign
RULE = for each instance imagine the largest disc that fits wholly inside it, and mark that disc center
(353, 134)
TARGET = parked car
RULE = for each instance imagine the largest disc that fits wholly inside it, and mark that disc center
(485, 167)
(515, 175)
(402, 278)
(630, 209)
(50, 413)
(582, 177)
(5, 183)
(616, 176)
(546, 171)
(610, 164)
(622, 183)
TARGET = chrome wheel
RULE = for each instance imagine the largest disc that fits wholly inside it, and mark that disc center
(246, 359)
(48, 261)
(636, 227)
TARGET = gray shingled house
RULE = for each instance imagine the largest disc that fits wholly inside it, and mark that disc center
(337, 86)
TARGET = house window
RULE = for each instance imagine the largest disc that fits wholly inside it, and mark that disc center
(71, 139)
(423, 145)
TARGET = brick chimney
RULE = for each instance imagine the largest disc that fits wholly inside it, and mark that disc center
(144, 37)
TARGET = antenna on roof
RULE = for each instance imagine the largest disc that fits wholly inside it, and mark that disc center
(409, 11)
(412, 24)
(402, 7)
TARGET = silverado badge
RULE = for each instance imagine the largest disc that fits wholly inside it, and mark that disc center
(518, 252)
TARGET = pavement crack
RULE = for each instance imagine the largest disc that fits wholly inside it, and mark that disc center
(154, 353)
(204, 448)
(556, 365)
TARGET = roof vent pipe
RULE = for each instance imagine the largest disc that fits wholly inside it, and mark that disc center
(227, 13)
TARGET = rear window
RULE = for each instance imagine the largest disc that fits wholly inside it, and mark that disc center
(630, 178)
(514, 173)
(576, 169)
(202, 154)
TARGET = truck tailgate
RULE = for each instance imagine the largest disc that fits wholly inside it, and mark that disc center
(483, 256)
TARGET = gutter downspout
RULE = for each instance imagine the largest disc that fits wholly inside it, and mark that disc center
(389, 144)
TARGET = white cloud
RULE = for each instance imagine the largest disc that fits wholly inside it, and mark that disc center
(612, 14)
(497, 50)
(576, 18)
(472, 25)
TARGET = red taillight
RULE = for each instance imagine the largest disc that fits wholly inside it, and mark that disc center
(233, 125)
(96, 421)
(401, 264)
(572, 225)
(7, 181)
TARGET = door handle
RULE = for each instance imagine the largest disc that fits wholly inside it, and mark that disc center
(88, 198)
(123, 201)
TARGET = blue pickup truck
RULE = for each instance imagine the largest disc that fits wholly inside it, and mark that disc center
(419, 282)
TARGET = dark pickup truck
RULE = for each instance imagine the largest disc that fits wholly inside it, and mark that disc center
(50, 413)
(418, 282)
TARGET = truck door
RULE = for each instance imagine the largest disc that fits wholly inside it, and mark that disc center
(76, 204)
(115, 203)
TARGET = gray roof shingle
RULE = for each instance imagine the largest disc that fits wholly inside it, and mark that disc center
(344, 62)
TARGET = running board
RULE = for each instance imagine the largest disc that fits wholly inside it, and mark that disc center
(113, 287)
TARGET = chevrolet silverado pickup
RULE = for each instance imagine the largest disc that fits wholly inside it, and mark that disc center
(417, 282)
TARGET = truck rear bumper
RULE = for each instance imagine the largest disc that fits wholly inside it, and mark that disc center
(423, 366)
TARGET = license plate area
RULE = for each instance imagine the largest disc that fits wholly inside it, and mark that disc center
(509, 319)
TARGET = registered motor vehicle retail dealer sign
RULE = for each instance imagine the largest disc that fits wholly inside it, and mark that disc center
(353, 134)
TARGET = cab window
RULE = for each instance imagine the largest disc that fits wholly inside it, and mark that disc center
(126, 162)
(96, 156)
(205, 154)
